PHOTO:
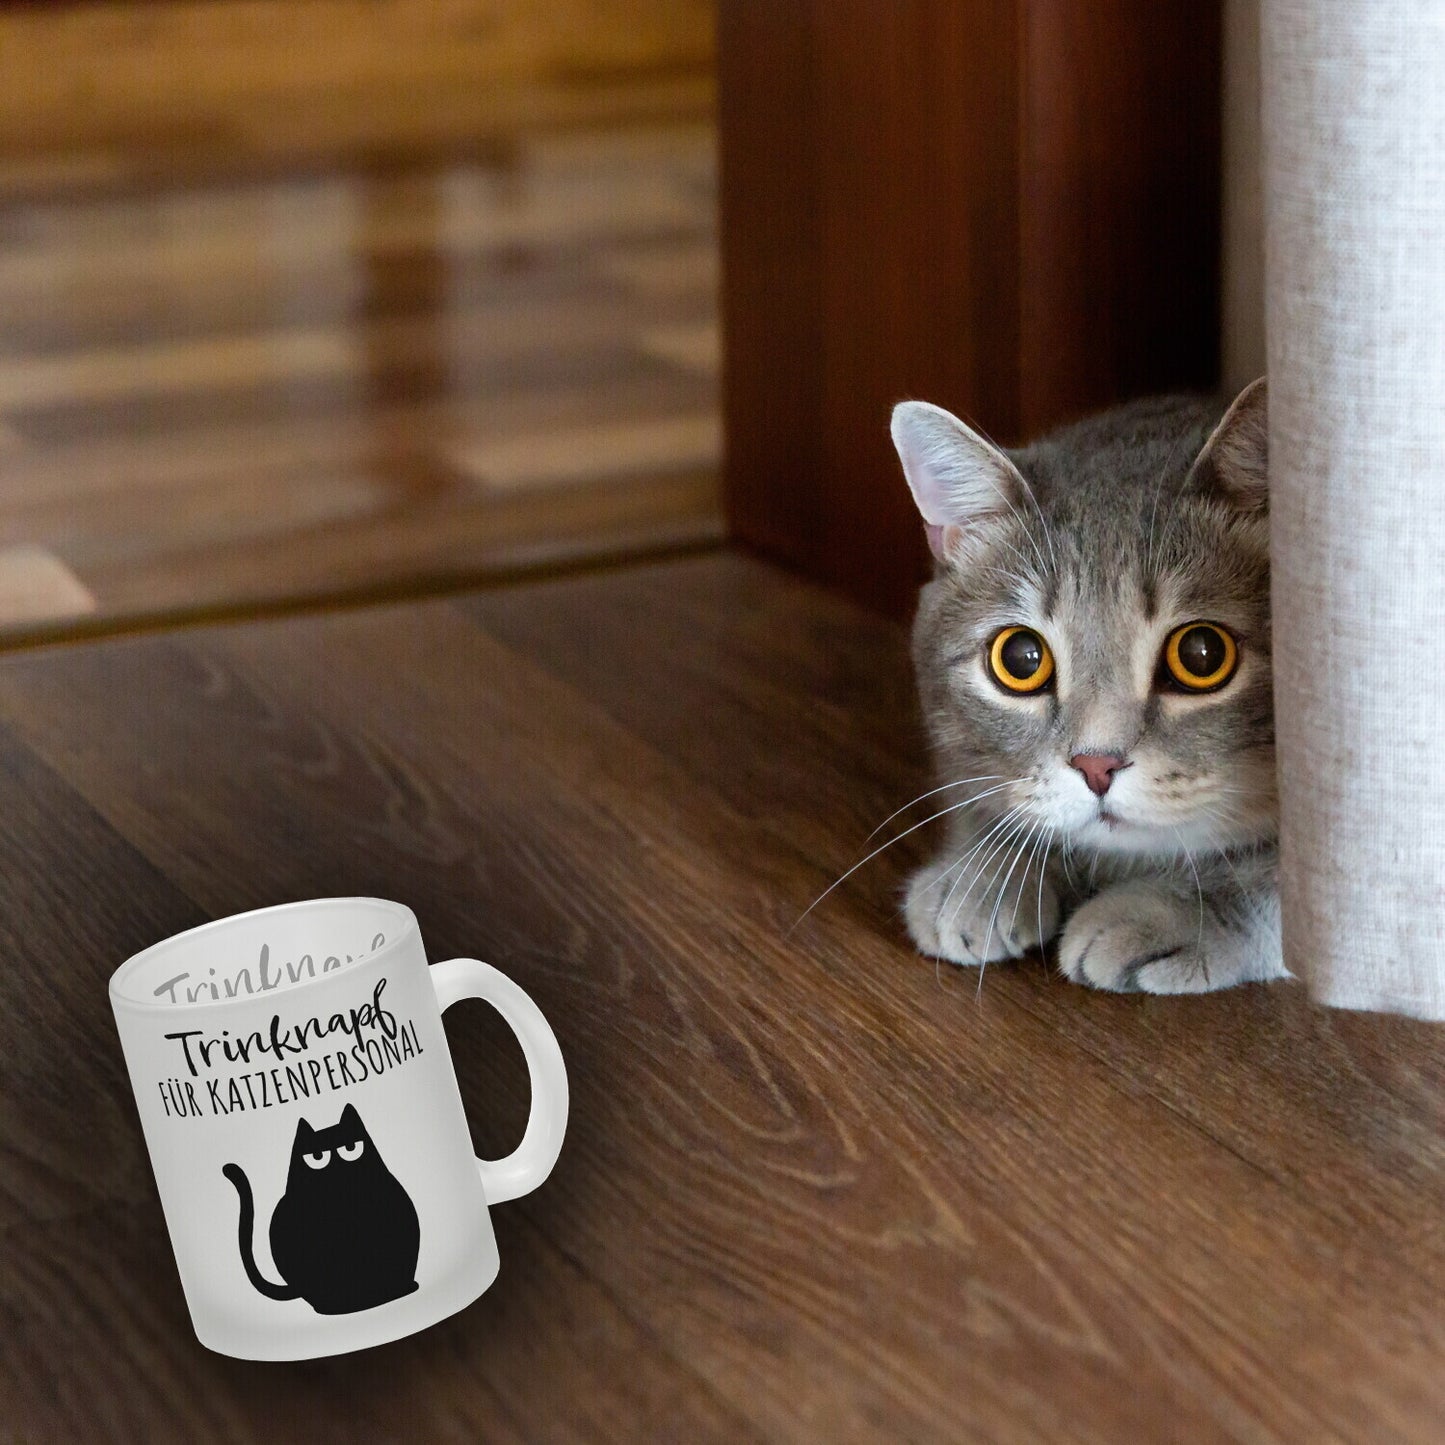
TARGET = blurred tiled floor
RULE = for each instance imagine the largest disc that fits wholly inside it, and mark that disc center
(368, 381)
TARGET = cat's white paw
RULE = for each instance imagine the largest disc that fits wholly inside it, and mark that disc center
(1135, 938)
(980, 925)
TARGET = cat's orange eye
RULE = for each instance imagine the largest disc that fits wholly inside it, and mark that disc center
(1200, 657)
(1019, 660)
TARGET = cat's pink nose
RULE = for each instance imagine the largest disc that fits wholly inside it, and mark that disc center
(1098, 769)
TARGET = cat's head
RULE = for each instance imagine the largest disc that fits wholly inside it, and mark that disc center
(334, 1149)
(1095, 644)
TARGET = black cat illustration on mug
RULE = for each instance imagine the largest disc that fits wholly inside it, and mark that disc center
(344, 1235)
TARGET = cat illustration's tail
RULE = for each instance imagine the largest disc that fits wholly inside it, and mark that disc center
(237, 1176)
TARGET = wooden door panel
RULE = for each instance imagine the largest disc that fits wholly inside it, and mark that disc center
(1010, 209)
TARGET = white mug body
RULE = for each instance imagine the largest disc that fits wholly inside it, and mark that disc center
(305, 1128)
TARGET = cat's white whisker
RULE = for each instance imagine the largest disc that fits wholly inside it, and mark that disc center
(1000, 846)
(1034, 830)
(1004, 827)
(1199, 888)
(1015, 855)
(963, 857)
(961, 783)
(1025, 845)
(952, 808)
(1033, 853)
(982, 948)
(1001, 825)
(978, 843)
(1032, 844)
(1066, 848)
(945, 869)
(1048, 843)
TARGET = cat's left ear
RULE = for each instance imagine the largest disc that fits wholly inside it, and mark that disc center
(1236, 456)
(961, 482)
(350, 1117)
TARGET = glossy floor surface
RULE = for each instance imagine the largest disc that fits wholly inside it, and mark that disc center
(219, 395)
(814, 1188)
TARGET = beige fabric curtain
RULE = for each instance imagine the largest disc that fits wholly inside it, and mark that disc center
(1354, 186)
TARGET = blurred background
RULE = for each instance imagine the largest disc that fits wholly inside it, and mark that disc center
(326, 300)
(308, 299)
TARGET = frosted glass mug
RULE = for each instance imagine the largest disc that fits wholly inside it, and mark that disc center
(306, 1130)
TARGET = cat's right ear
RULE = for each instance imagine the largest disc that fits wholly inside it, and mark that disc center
(959, 479)
(1235, 459)
(304, 1132)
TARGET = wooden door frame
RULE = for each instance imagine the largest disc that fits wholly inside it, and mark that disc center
(1011, 209)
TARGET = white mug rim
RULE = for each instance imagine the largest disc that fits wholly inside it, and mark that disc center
(121, 1000)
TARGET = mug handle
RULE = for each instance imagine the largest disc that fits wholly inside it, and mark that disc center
(532, 1160)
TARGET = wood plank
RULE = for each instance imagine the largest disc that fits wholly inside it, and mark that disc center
(406, 376)
(695, 348)
(152, 1380)
(837, 686)
(442, 541)
(1319, 1129)
(69, 1151)
(72, 1141)
(686, 150)
(688, 442)
(278, 356)
(853, 1199)
(460, 122)
(684, 267)
(464, 219)
(61, 480)
(261, 508)
(474, 342)
(261, 78)
(176, 303)
(357, 504)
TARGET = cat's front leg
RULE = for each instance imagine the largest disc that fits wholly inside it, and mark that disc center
(1146, 936)
(974, 907)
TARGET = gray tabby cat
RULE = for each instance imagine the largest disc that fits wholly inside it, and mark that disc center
(1093, 658)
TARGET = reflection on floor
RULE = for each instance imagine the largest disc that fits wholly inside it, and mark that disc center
(228, 395)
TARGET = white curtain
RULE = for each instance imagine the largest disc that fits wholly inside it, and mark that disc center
(1354, 192)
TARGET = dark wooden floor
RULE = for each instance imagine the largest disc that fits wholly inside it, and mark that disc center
(813, 1188)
